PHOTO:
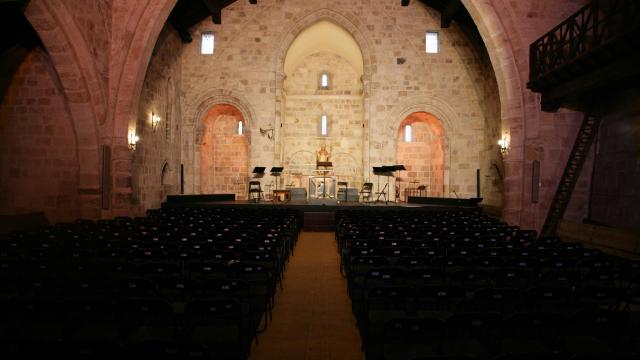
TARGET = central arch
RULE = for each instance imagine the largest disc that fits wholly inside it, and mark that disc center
(323, 48)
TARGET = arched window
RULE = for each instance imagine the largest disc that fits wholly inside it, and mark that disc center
(324, 81)
(324, 126)
(240, 127)
(407, 133)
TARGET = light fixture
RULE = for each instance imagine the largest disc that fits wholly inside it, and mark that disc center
(504, 144)
(267, 132)
(133, 140)
(155, 120)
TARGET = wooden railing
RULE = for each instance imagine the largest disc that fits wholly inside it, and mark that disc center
(590, 28)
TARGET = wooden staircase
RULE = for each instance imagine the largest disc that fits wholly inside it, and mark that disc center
(586, 135)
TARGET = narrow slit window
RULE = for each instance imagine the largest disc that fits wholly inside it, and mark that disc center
(207, 43)
(323, 125)
(431, 42)
(407, 133)
(324, 80)
(240, 127)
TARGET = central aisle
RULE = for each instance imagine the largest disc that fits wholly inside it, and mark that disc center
(312, 318)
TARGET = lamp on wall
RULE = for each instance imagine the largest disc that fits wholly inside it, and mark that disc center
(504, 144)
(155, 120)
(267, 132)
(133, 140)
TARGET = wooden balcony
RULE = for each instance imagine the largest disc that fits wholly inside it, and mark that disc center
(593, 52)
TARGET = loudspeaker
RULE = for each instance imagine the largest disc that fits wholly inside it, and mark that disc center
(105, 179)
(477, 183)
(181, 178)
(535, 182)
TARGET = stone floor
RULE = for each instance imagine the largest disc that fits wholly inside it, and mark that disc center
(312, 318)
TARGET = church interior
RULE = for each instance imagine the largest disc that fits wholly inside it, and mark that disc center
(320, 179)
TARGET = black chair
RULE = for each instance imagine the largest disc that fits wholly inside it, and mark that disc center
(342, 191)
(255, 191)
(365, 192)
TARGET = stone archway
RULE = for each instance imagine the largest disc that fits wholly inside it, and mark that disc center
(355, 72)
(423, 154)
(145, 25)
(501, 49)
(223, 153)
(447, 119)
(194, 131)
(85, 99)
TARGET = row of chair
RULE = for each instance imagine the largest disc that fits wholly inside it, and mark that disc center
(455, 283)
(193, 281)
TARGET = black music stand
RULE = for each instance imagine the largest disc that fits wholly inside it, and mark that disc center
(276, 171)
(398, 190)
(258, 171)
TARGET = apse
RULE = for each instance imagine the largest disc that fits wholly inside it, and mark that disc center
(323, 96)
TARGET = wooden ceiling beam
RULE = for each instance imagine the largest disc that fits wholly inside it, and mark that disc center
(449, 12)
(215, 9)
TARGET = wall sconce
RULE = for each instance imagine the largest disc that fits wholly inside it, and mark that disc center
(267, 132)
(504, 145)
(133, 140)
(155, 120)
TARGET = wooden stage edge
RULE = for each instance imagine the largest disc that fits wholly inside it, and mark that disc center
(317, 205)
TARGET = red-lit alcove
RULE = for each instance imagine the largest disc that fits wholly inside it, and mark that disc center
(224, 157)
(423, 156)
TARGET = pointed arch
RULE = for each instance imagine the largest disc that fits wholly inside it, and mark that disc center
(85, 98)
(493, 30)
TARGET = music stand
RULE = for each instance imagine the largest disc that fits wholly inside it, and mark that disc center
(276, 171)
(258, 171)
(398, 179)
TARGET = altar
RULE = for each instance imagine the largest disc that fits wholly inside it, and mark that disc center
(322, 187)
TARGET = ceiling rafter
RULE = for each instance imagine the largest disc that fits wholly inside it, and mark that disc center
(187, 13)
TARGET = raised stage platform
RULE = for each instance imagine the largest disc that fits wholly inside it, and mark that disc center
(218, 200)
(317, 214)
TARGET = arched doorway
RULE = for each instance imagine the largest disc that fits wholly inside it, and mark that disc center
(421, 149)
(224, 159)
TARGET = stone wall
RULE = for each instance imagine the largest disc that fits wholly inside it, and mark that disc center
(93, 21)
(616, 195)
(156, 160)
(247, 72)
(492, 166)
(305, 103)
(399, 79)
(38, 154)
